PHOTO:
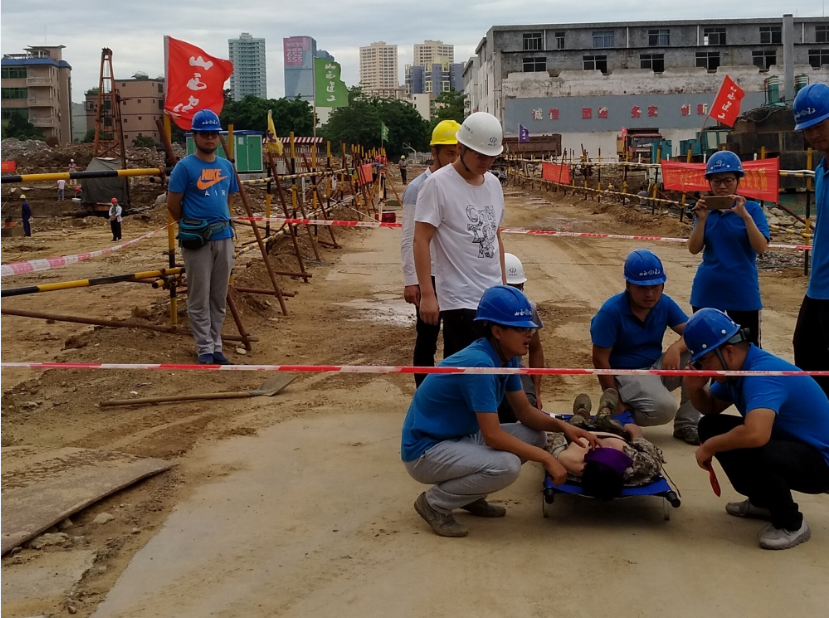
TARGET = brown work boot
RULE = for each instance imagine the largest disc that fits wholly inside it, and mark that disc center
(482, 508)
(443, 525)
(607, 402)
(581, 411)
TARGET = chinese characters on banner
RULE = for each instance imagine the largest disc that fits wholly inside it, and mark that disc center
(195, 81)
(726, 106)
(556, 173)
(329, 89)
(761, 180)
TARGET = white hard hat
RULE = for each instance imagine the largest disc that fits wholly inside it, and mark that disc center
(515, 269)
(482, 133)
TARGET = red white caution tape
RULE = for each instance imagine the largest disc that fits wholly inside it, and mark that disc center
(543, 371)
(505, 230)
(32, 266)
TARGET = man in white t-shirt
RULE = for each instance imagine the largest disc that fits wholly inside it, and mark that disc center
(61, 189)
(459, 211)
(115, 218)
(444, 145)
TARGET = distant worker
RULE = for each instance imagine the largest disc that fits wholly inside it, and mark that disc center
(402, 165)
(199, 195)
(730, 240)
(811, 335)
(115, 219)
(459, 210)
(627, 333)
(72, 168)
(26, 215)
(444, 145)
(61, 189)
(643, 197)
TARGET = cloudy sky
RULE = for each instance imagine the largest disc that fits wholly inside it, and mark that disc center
(135, 31)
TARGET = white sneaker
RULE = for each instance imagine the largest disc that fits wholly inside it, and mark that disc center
(747, 509)
(778, 538)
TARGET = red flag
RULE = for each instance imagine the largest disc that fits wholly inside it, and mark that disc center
(726, 106)
(762, 179)
(556, 173)
(194, 81)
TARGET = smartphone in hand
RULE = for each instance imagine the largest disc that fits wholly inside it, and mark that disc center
(719, 202)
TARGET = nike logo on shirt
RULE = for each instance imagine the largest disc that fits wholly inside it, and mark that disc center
(209, 178)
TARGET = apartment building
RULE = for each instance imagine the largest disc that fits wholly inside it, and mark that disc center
(378, 69)
(141, 104)
(249, 71)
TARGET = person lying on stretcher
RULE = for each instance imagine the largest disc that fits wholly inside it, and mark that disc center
(623, 457)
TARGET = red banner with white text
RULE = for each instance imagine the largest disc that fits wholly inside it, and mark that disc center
(195, 80)
(556, 173)
(762, 179)
(726, 106)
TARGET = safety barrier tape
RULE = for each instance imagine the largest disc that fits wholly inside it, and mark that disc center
(505, 230)
(32, 266)
(386, 369)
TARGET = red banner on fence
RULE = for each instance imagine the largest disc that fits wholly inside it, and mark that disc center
(726, 106)
(9, 166)
(364, 173)
(556, 173)
(762, 179)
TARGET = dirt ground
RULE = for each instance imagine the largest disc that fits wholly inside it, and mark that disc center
(298, 505)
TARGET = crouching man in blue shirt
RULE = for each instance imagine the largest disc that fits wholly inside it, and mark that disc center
(451, 435)
(780, 441)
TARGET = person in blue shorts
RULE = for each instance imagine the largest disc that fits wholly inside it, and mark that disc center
(730, 241)
(199, 193)
(627, 333)
(452, 438)
(811, 335)
(780, 441)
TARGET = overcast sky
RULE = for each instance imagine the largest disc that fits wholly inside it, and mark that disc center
(135, 32)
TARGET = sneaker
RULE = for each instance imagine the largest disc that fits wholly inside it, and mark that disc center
(747, 509)
(687, 434)
(220, 359)
(205, 359)
(607, 402)
(443, 525)
(482, 508)
(779, 538)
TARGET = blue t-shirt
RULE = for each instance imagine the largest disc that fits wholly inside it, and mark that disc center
(444, 405)
(819, 278)
(801, 406)
(727, 278)
(206, 187)
(635, 344)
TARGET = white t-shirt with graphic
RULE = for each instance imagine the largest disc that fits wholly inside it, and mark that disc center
(466, 220)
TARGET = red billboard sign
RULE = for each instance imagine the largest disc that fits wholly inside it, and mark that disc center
(293, 48)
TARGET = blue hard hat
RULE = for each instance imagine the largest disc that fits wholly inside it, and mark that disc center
(724, 161)
(707, 330)
(205, 120)
(811, 106)
(506, 306)
(643, 267)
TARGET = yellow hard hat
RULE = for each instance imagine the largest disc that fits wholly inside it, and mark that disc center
(445, 133)
(22, 197)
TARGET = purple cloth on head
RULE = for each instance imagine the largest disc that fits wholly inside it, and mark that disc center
(610, 458)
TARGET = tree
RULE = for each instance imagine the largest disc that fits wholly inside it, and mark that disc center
(251, 113)
(449, 106)
(144, 141)
(20, 128)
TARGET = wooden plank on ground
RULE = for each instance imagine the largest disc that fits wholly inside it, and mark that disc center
(42, 486)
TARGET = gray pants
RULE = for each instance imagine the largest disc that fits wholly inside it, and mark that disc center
(467, 469)
(651, 401)
(208, 274)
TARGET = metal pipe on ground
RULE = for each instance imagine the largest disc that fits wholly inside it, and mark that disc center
(83, 283)
(54, 176)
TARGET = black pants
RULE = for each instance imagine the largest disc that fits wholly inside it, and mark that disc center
(811, 338)
(403, 174)
(746, 319)
(115, 226)
(768, 474)
(426, 344)
(505, 412)
(459, 330)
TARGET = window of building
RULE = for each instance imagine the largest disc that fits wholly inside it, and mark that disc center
(8, 112)
(161, 104)
(818, 57)
(771, 35)
(535, 64)
(139, 100)
(708, 60)
(161, 88)
(125, 120)
(655, 62)
(713, 36)
(139, 117)
(660, 37)
(532, 41)
(15, 93)
(602, 39)
(595, 63)
(822, 34)
(764, 59)
(444, 86)
(559, 40)
(13, 72)
(428, 87)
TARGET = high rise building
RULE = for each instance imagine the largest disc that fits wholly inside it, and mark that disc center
(378, 68)
(299, 54)
(432, 52)
(248, 57)
(37, 85)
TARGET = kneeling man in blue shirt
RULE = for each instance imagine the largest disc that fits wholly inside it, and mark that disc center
(452, 437)
(780, 441)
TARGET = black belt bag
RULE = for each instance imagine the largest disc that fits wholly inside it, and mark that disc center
(195, 233)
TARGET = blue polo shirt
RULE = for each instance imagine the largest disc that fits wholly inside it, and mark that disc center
(444, 405)
(205, 188)
(801, 406)
(635, 344)
(819, 278)
(727, 278)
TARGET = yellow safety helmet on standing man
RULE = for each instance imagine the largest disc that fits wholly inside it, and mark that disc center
(445, 133)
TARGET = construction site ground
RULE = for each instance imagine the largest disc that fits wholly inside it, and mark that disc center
(298, 505)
